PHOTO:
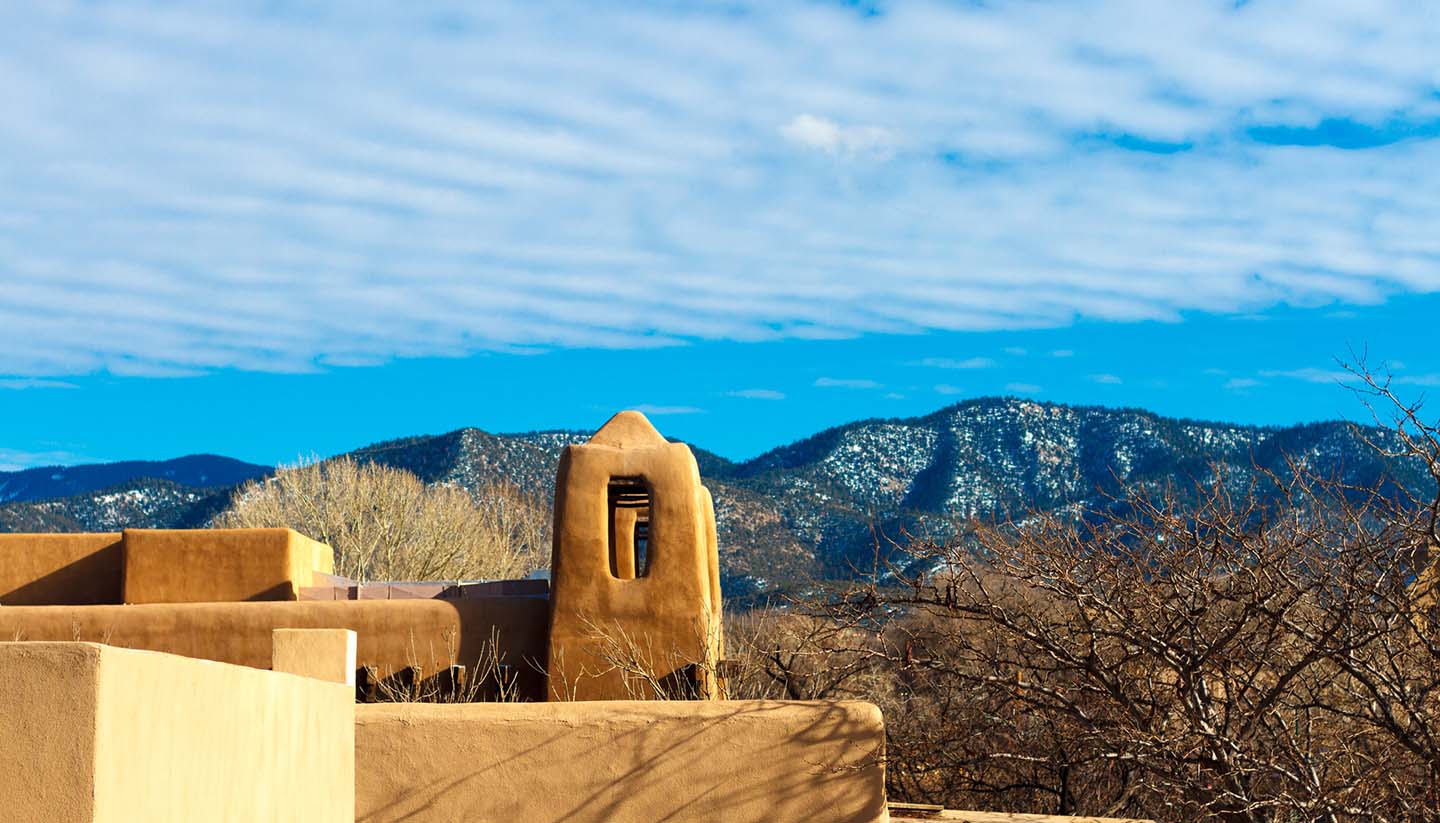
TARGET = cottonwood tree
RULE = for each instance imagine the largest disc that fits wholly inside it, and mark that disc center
(386, 524)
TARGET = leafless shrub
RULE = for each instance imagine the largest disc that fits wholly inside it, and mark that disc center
(491, 679)
(385, 524)
(798, 655)
(650, 668)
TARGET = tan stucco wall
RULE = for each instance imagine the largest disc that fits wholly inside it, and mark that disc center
(391, 634)
(620, 762)
(40, 569)
(121, 736)
(47, 725)
(220, 565)
(325, 654)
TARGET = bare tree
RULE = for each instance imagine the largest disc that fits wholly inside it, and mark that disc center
(385, 524)
(1255, 648)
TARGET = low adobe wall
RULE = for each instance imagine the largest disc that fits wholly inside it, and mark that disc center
(102, 735)
(65, 569)
(620, 761)
(220, 565)
(159, 566)
(392, 634)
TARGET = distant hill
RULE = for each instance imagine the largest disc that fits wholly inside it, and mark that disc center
(812, 509)
(196, 470)
(143, 503)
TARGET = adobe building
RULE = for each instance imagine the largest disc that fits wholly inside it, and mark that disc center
(635, 574)
(227, 675)
(214, 676)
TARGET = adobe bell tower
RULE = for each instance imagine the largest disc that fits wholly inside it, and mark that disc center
(635, 572)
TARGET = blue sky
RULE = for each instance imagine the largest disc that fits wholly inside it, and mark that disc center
(270, 229)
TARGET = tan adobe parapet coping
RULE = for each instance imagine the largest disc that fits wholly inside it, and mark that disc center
(620, 762)
(324, 654)
(221, 565)
(95, 734)
(159, 566)
(392, 635)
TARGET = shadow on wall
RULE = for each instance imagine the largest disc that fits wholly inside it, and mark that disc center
(578, 762)
(62, 569)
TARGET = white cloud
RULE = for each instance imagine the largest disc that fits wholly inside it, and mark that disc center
(203, 186)
(757, 394)
(830, 137)
(1062, 353)
(1241, 383)
(843, 383)
(17, 384)
(646, 408)
(16, 460)
(1311, 375)
(948, 363)
(1016, 351)
(1106, 379)
(946, 388)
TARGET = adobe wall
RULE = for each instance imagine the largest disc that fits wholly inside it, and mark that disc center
(392, 634)
(220, 565)
(159, 566)
(620, 761)
(104, 735)
(68, 569)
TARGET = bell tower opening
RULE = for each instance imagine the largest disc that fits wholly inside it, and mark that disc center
(629, 515)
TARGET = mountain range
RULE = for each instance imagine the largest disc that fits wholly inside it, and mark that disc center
(812, 509)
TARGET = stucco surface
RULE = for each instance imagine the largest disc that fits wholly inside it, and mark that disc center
(47, 731)
(391, 634)
(40, 569)
(325, 654)
(94, 733)
(213, 566)
(220, 565)
(620, 762)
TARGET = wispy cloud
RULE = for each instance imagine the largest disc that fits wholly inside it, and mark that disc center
(1241, 383)
(950, 363)
(17, 384)
(757, 394)
(260, 187)
(823, 134)
(1311, 375)
(17, 460)
(843, 383)
(1016, 351)
(1063, 353)
(1106, 379)
(946, 388)
(658, 411)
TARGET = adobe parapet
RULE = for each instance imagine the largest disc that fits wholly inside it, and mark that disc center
(159, 566)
